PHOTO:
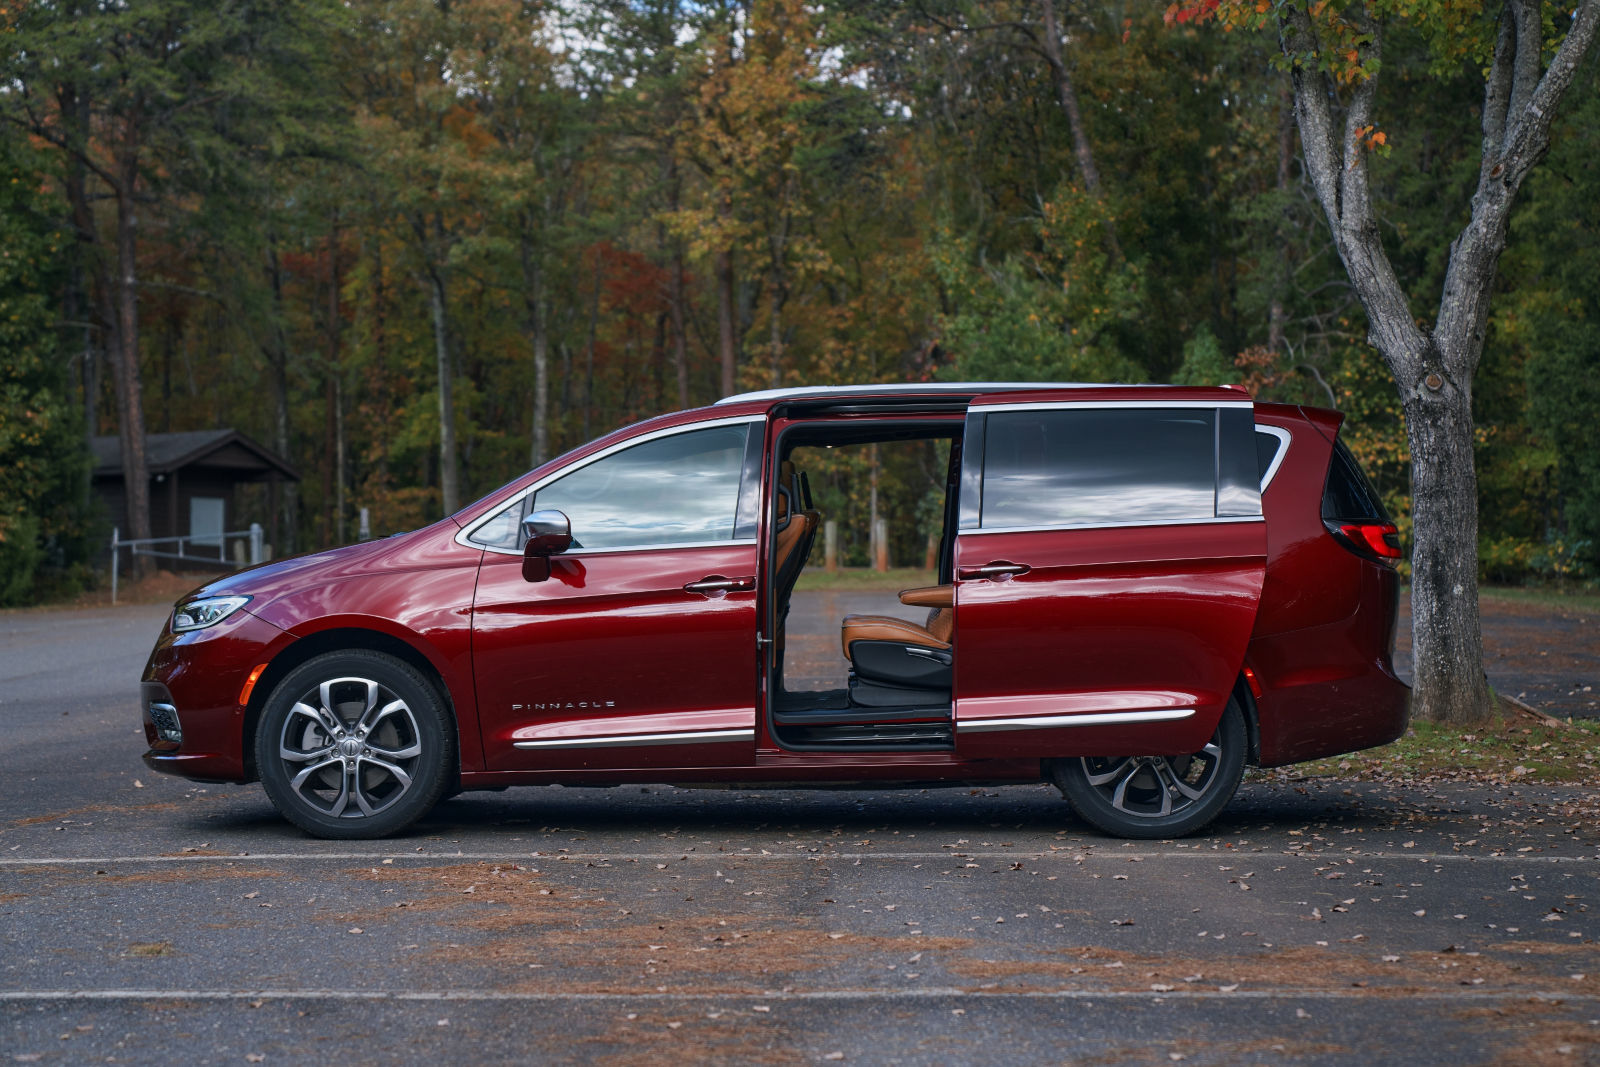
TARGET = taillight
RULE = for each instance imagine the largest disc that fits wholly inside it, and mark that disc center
(1380, 540)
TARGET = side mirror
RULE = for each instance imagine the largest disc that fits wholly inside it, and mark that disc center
(547, 533)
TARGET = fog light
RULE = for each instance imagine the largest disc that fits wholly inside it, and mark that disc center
(168, 728)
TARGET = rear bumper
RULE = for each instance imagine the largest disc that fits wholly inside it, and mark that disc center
(1332, 689)
(1328, 718)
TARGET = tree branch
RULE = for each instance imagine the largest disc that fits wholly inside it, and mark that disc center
(1529, 135)
(1497, 89)
(1530, 47)
(1339, 176)
(1475, 255)
(1355, 202)
(1313, 94)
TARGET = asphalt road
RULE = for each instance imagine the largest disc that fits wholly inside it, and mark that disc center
(148, 920)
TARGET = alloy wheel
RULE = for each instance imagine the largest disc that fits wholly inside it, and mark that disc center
(350, 747)
(1154, 787)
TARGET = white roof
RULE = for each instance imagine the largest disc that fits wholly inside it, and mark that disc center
(908, 388)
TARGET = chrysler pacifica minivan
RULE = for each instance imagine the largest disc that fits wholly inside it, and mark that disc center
(1139, 591)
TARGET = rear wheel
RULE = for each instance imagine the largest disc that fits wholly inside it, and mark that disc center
(1157, 796)
(355, 745)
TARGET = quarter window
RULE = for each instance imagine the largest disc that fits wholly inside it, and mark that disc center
(680, 489)
(1091, 466)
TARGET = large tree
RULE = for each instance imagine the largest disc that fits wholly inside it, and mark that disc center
(1334, 54)
(143, 104)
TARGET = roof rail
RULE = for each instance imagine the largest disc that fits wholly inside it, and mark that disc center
(824, 392)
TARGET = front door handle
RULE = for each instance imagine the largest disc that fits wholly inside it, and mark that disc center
(715, 585)
(1000, 570)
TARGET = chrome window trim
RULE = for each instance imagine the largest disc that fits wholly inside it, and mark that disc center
(1208, 520)
(1284, 437)
(1079, 405)
(1102, 718)
(464, 535)
(679, 738)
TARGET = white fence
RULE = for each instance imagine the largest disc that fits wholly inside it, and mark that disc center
(248, 541)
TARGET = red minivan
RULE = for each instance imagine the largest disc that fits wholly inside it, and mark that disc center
(1140, 589)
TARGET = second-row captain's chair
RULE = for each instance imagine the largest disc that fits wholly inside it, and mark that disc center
(898, 663)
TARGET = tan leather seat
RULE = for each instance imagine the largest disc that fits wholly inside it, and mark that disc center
(936, 634)
(795, 534)
(791, 545)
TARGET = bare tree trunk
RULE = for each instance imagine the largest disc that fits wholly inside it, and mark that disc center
(130, 390)
(88, 292)
(1447, 642)
(541, 372)
(335, 398)
(777, 241)
(1433, 368)
(775, 330)
(675, 295)
(326, 460)
(1277, 339)
(726, 345)
(872, 505)
(538, 315)
(449, 485)
(288, 511)
(588, 353)
(340, 462)
(1067, 97)
(75, 310)
(680, 339)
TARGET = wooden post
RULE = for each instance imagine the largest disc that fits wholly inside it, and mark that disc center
(931, 560)
(830, 546)
(880, 545)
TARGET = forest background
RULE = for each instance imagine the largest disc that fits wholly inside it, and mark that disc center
(418, 246)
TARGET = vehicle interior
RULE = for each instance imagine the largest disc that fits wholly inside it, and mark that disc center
(894, 688)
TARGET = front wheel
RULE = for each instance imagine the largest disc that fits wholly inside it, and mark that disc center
(355, 745)
(1157, 796)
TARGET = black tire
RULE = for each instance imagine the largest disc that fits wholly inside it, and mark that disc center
(1157, 796)
(355, 745)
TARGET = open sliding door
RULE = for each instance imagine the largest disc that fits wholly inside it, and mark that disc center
(1108, 565)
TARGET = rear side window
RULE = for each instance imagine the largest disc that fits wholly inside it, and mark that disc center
(1348, 494)
(1091, 466)
(1266, 451)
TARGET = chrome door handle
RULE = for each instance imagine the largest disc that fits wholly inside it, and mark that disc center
(1000, 570)
(715, 585)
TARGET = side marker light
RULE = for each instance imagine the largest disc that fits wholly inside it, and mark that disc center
(250, 684)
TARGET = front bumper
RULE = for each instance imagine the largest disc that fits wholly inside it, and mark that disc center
(194, 722)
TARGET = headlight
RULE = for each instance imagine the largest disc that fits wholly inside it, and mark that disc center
(198, 614)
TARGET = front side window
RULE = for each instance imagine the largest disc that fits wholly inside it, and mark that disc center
(680, 489)
(1091, 466)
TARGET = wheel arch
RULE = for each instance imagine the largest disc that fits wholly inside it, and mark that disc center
(339, 639)
(1252, 719)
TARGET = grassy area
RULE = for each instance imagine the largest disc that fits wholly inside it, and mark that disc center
(863, 578)
(1581, 600)
(1511, 750)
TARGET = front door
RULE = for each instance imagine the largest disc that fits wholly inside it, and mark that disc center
(639, 650)
(1108, 565)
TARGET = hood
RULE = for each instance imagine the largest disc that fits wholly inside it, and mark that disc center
(265, 582)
